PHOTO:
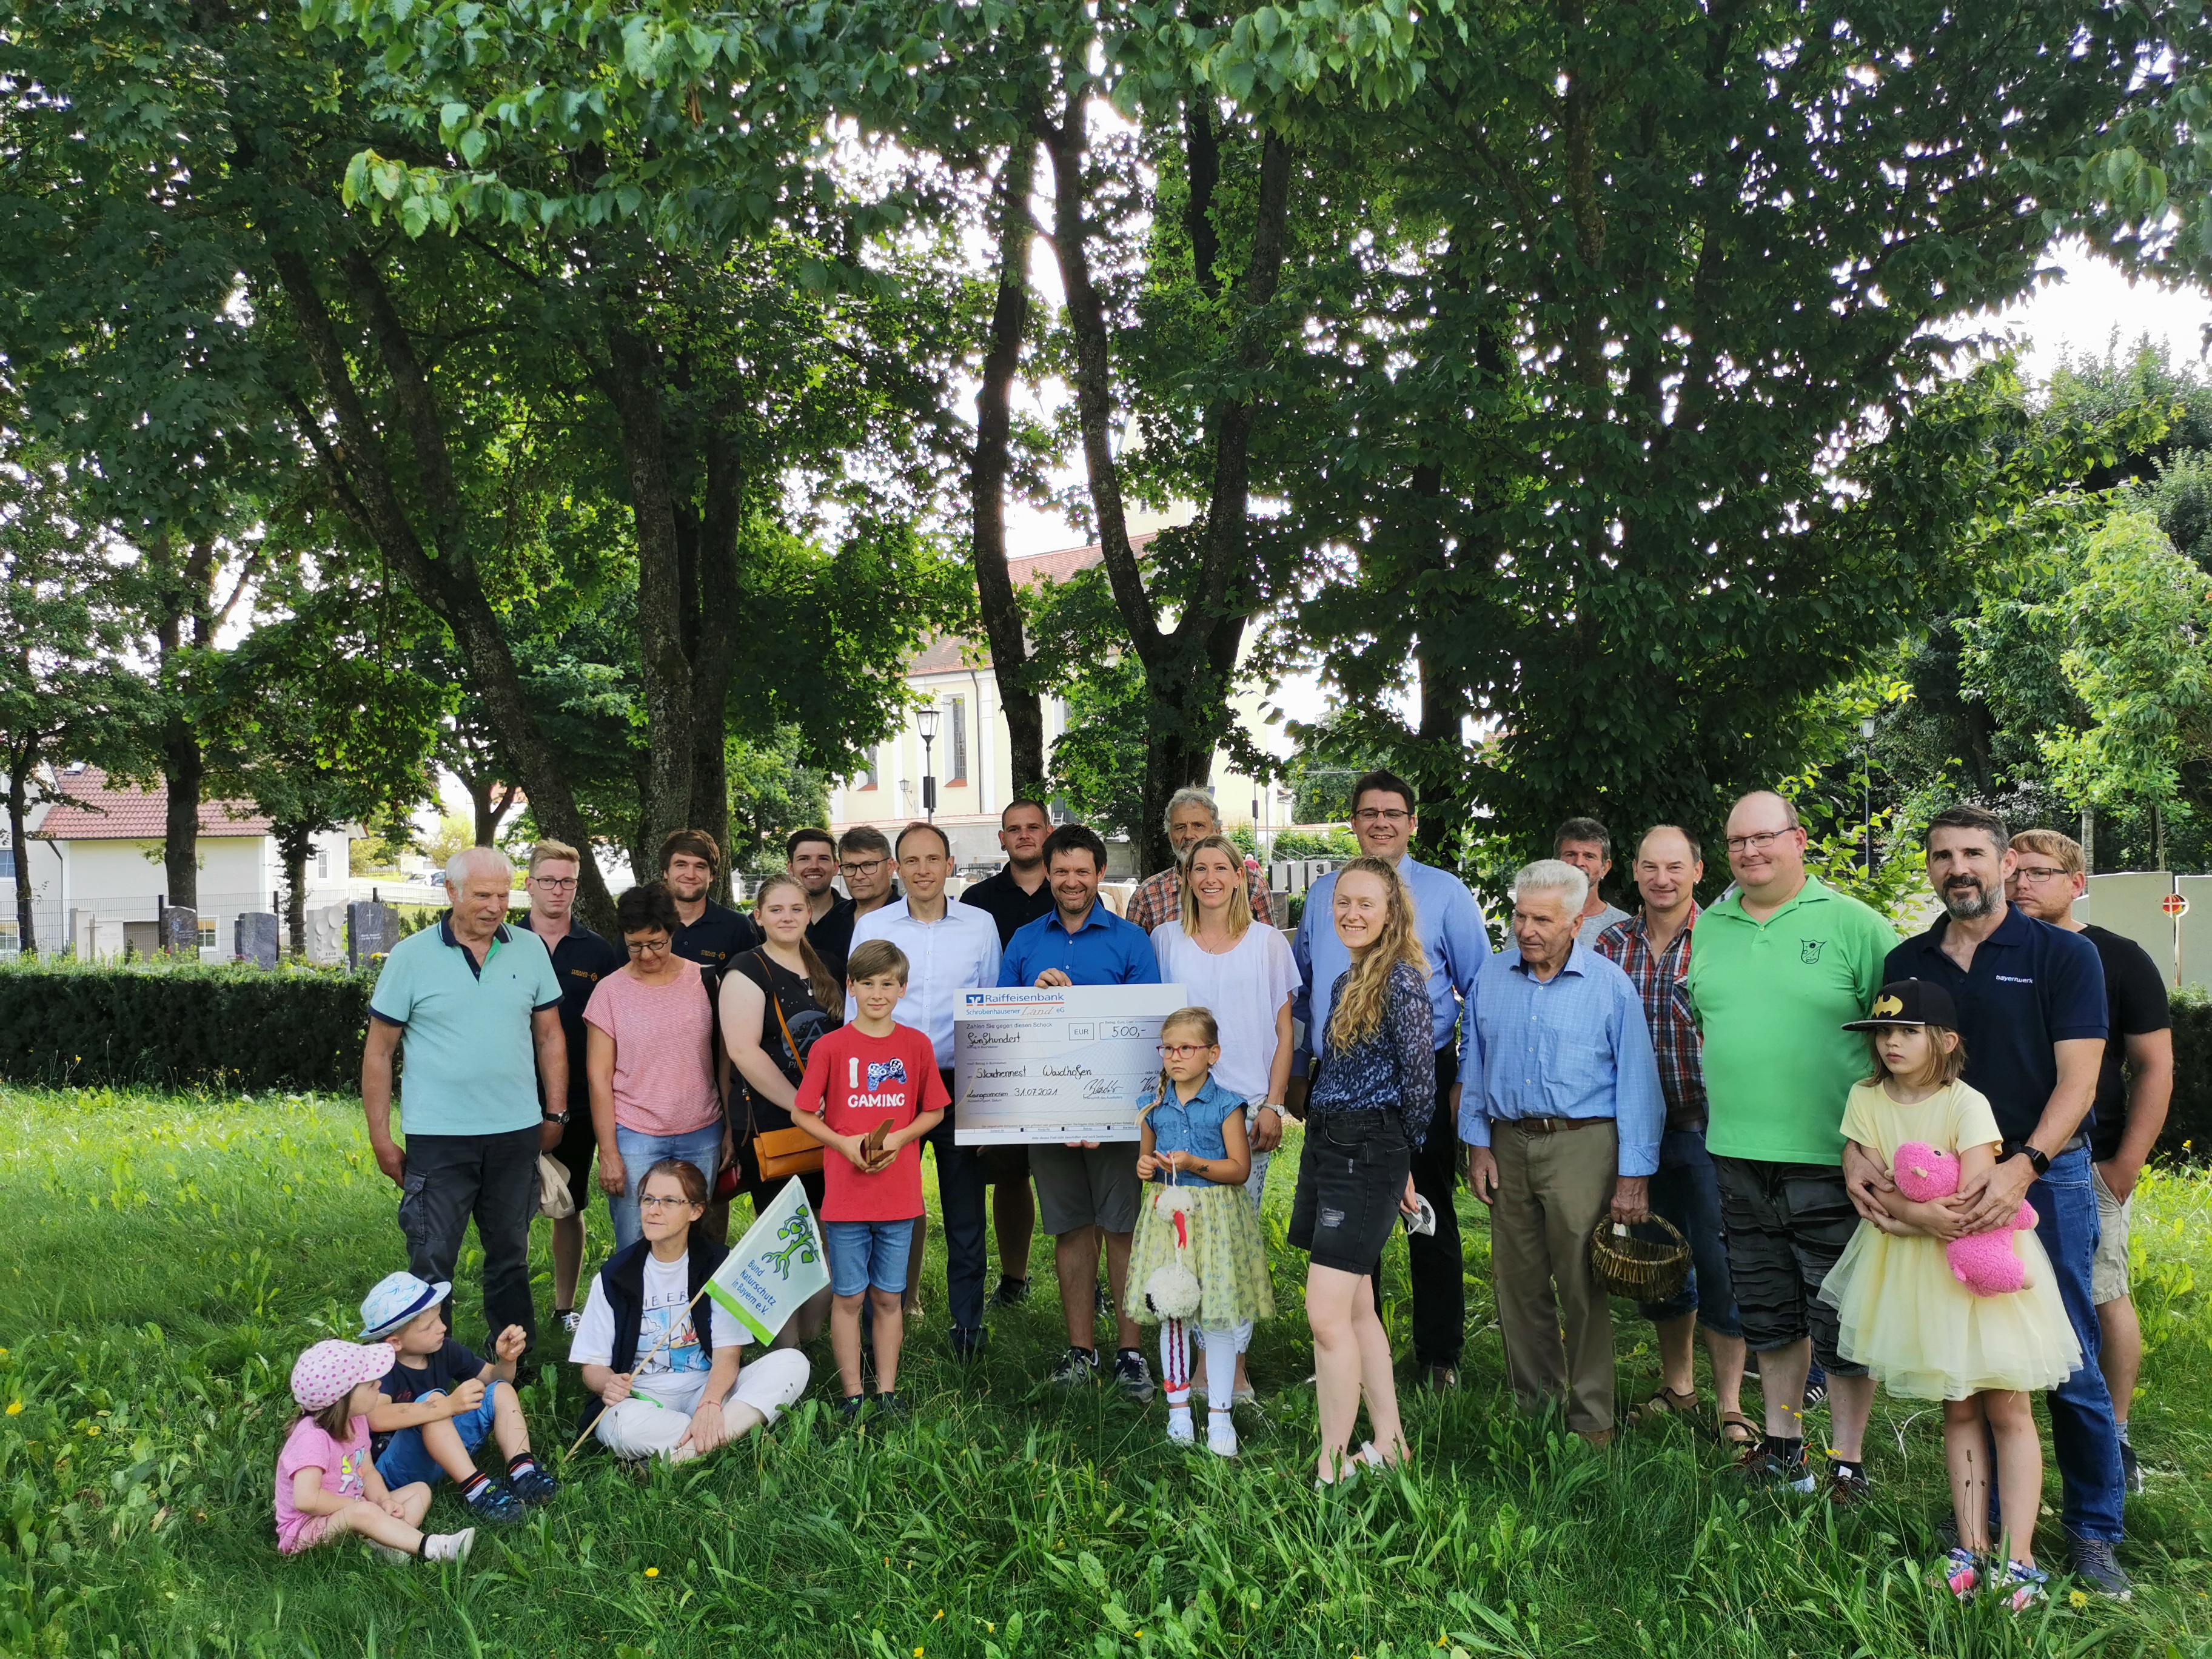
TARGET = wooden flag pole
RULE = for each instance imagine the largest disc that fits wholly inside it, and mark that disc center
(636, 1365)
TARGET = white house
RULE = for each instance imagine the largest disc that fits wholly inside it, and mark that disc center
(969, 757)
(98, 881)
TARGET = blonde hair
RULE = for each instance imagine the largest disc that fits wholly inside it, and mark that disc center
(1944, 1065)
(827, 992)
(2063, 851)
(1201, 1020)
(1240, 901)
(1358, 1012)
(541, 850)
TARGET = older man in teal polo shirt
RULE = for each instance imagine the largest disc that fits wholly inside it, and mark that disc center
(477, 1007)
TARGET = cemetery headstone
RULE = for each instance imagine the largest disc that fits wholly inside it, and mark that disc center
(256, 935)
(180, 931)
(372, 929)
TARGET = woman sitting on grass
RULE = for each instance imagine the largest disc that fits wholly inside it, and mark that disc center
(327, 1485)
(660, 1392)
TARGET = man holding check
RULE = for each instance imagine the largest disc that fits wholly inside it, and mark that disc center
(1086, 1189)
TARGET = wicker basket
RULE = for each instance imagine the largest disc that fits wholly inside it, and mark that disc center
(1641, 1268)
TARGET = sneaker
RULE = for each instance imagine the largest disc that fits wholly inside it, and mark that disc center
(1816, 1393)
(850, 1408)
(1847, 1489)
(534, 1485)
(2131, 1470)
(385, 1552)
(496, 1502)
(2018, 1585)
(2091, 1560)
(569, 1320)
(1440, 1379)
(967, 1343)
(1077, 1367)
(1220, 1434)
(1132, 1377)
(1962, 1573)
(1010, 1293)
(889, 1407)
(449, 1546)
(1764, 1469)
(1181, 1429)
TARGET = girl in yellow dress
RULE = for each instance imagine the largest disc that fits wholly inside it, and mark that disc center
(1912, 1324)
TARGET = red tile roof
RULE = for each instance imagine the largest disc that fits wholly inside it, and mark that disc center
(943, 655)
(96, 811)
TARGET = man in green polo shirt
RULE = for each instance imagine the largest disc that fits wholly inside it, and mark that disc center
(1778, 967)
(478, 1008)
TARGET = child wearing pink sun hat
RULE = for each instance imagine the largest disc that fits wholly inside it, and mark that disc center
(326, 1484)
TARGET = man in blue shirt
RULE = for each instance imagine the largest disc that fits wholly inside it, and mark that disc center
(1088, 1189)
(1454, 936)
(2032, 1011)
(1561, 1115)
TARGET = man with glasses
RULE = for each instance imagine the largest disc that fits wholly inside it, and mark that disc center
(1455, 939)
(581, 958)
(713, 935)
(1780, 965)
(2032, 1017)
(1191, 817)
(1588, 845)
(1019, 893)
(810, 855)
(2134, 1085)
(950, 948)
(864, 859)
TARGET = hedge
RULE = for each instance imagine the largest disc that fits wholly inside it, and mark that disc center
(182, 1026)
(2189, 1120)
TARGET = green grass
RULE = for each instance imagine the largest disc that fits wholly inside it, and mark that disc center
(165, 1258)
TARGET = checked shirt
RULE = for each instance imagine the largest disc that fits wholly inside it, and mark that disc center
(1659, 976)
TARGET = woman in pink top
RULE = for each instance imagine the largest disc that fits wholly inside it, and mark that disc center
(650, 1058)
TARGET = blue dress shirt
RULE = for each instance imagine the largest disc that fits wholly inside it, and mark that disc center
(1194, 1125)
(1104, 950)
(1453, 935)
(1573, 1046)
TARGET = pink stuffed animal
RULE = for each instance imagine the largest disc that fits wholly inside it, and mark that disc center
(1985, 1263)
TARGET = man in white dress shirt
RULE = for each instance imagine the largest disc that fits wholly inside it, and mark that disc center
(950, 948)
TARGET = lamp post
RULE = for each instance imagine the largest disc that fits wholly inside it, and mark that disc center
(925, 723)
(1866, 781)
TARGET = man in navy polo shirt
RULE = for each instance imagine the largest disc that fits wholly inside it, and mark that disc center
(1086, 1191)
(2031, 1000)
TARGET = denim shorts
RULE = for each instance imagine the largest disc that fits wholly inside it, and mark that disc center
(1351, 1175)
(865, 1253)
(407, 1459)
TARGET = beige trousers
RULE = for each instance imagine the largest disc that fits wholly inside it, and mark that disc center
(1552, 1191)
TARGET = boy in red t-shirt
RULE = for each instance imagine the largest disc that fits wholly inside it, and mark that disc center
(872, 1073)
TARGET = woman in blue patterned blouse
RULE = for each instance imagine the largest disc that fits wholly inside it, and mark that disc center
(1369, 1108)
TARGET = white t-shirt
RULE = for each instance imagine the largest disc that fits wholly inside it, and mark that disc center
(676, 1376)
(1244, 989)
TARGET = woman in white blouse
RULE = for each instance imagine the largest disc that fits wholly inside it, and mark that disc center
(1244, 975)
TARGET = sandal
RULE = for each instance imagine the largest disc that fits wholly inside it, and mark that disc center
(1662, 1404)
(1739, 1432)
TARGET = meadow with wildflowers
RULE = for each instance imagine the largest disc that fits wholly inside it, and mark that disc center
(167, 1255)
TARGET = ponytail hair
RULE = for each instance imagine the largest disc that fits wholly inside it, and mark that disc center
(828, 992)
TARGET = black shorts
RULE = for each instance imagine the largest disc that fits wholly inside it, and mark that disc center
(1002, 1164)
(1787, 1224)
(578, 1143)
(1351, 1176)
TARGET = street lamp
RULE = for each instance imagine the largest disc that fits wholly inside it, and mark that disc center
(925, 723)
(1866, 781)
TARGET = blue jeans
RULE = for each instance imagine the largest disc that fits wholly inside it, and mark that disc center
(2083, 1436)
(407, 1459)
(868, 1254)
(640, 1152)
(1686, 1192)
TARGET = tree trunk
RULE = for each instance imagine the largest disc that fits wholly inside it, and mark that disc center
(1439, 726)
(711, 598)
(20, 764)
(183, 768)
(363, 478)
(987, 480)
(489, 802)
(294, 844)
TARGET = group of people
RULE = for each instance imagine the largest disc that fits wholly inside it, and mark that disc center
(1601, 1068)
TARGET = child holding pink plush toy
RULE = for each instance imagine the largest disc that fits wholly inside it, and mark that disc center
(1974, 1320)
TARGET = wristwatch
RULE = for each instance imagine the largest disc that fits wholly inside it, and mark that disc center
(2037, 1159)
(559, 1117)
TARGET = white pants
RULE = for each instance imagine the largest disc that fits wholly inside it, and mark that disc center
(638, 1428)
(1221, 1346)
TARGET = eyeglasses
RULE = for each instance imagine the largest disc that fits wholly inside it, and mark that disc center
(645, 947)
(662, 1201)
(1386, 814)
(2036, 875)
(867, 869)
(1177, 1050)
(558, 884)
(1757, 844)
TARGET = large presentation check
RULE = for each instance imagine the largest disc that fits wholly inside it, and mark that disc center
(1072, 1063)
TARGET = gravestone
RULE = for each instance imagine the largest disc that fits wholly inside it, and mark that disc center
(372, 929)
(326, 930)
(256, 935)
(180, 931)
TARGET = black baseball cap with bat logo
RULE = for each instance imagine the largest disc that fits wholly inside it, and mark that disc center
(1909, 1002)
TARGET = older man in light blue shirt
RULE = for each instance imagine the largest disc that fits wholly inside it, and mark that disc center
(1450, 927)
(1562, 1117)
